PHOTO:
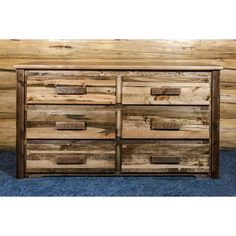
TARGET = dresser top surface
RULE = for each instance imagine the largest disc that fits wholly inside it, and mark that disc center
(117, 65)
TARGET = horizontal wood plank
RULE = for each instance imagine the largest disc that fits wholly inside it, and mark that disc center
(193, 122)
(228, 133)
(187, 49)
(41, 122)
(193, 88)
(192, 157)
(65, 87)
(8, 134)
(70, 156)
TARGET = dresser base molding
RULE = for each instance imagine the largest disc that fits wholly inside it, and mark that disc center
(203, 176)
(116, 121)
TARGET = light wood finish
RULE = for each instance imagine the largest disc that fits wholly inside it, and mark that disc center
(115, 66)
(7, 134)
(193, 122)
(159, 49)
(194, 88)
(65, 87)
(7, 109)
(42, 122)
(66, 156)
(228, 133)
(193, 156)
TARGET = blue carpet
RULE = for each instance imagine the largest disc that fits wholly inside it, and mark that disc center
(118, 186)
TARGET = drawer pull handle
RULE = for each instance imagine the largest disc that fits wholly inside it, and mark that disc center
(71, 160)
(158, 125)
(70, 90)
(165, 160)
(71, 125)
(171, 91)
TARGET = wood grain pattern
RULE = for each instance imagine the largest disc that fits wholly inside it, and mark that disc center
(7, 96)
(7, 134)
(228, 133)
(162, 52)
(195, 89)
(161, 49)
(42, 87)
(66, 156)
(41, 122)
(194, 156)
(193, 120)
(116, 66)
(10, 63)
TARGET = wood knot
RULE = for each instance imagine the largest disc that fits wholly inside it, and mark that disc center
(161, 98)
(61, 47)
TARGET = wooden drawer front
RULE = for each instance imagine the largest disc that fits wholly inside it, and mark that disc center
(143, 156)
(165, 122)
(70, 122)
(70, 156)
(166, 88)
(66, 87)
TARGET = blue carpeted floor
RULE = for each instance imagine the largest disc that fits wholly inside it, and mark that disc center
(118, 186)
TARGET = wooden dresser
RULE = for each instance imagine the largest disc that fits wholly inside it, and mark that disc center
(117, 119)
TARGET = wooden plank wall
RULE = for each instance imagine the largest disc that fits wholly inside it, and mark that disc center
(218, 52)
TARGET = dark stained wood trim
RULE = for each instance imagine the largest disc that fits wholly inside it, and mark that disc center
(71, 159)
(171, 91)
(165, 160)
(20, 123)
(161, 125)
(79, 125)
(118, 140)
(215, 123)
(70, 90)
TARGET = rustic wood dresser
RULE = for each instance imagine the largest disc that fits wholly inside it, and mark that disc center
(114, 119)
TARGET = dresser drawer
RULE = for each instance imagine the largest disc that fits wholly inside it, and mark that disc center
(166, 88)
(70, 87)
(165, 156)
(70, 156)
(165, 122)
(70, 122)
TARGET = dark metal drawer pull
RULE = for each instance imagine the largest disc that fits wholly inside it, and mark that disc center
(71, 160)
(166, 91)
(160, 125)
(164, 160)
(71, 125)
(70, 90)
